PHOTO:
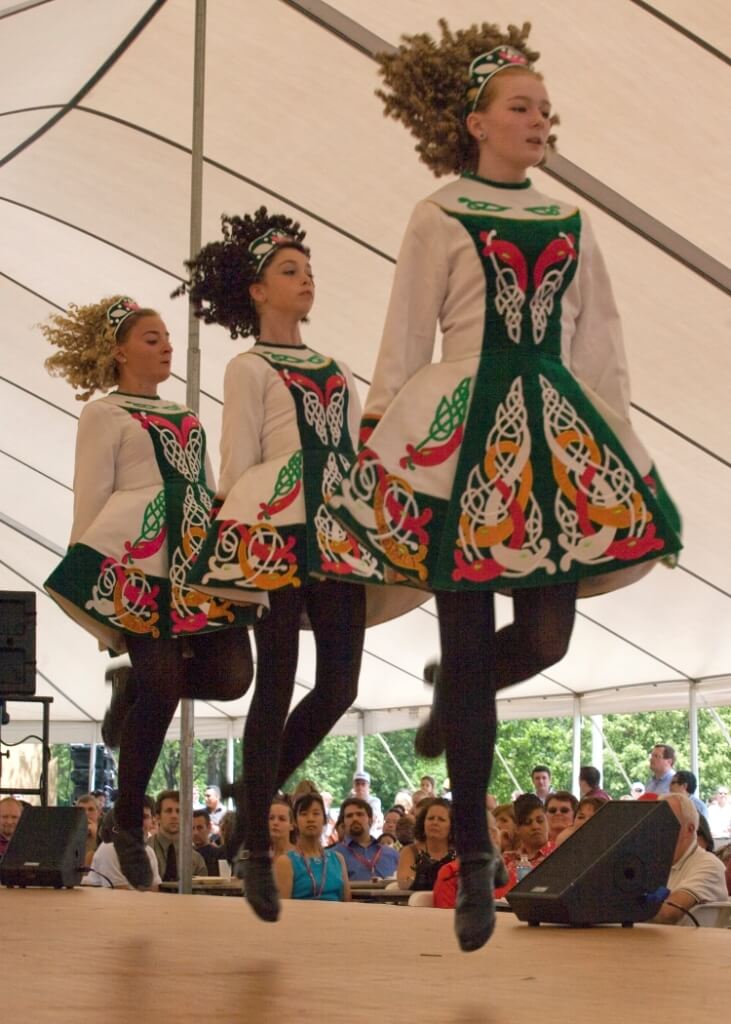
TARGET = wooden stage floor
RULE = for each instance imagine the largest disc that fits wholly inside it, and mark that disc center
(90, 955)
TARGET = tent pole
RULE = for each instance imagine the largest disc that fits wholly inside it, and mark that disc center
(394, 759)
(693, 728)
(92, 757)
(187, 724)
(576, 754)
(230, 757)
(360, 744)
(508, 769)
(597, 745)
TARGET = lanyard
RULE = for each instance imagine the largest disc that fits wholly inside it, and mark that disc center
(316, 890)
(370, 864)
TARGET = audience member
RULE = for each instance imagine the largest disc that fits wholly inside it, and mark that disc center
(386, 839)
(532, 842)
(202, 840)
(662, 759)
(305, 787)
(589, 782)
(309, 872)
(704, 837)
(695, 876)
(433, 847)
(105, 871)
(541, 778)
(403, 799)
(281, 825)
(505, 821)
(416, 798)
(686, 782)
(560, 810)
(10, 812)
(405, 830)
(364, 858)
(719, 814)
(588, 806)
(90, 805)
(362, 789)
(447, 882)
(215, 808)
(427, 783)
(166, 842)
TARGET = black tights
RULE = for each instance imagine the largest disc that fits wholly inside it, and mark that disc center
(476, 662)
(273, 749)
(212, 666)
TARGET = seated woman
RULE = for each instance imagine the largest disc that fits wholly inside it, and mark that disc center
(309, 872)
(445, 887)
(561, 810)
(588, 806)
(281, 826)
(505, 821)
(433, 847)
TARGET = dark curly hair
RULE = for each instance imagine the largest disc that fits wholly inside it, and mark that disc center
(424, 807)
(426, 84)
(221, 273)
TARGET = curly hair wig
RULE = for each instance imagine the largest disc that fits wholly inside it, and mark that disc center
(87, 342)
(222, 272)
(426, 89)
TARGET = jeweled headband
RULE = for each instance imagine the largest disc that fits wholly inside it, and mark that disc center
(119, 311)
(266, 245)
(488, 64)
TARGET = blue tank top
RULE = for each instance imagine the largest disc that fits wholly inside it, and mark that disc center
(308, 885)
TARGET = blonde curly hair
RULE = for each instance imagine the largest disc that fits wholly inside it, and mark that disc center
(426, 83)
(87, 344)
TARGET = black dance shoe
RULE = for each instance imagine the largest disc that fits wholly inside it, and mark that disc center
(259, 887)
(123, 697)
(474, 918)
(132, 852)
(429, 740)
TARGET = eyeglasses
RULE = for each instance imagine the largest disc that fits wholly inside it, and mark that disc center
(560, 810)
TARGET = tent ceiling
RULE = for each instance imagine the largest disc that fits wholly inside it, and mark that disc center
(99, 203)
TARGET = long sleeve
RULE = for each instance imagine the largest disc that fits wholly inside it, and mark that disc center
(591, 328)
(419, 286)
(97, 446)
(243, 415)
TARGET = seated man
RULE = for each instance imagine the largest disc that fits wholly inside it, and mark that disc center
(561, 811)
(166, 843)
(686, 782)
(105, 870)
(364, 856)
(202, 840)
(696, 876)
(10, 812)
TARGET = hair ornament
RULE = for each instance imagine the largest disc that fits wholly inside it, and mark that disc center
(119, 311)
(488, 64)
(266, 245)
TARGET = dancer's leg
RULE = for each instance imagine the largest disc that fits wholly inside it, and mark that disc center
(337, 614)
(277, 648)
(538, 637)
(469, 721)
(158, 672)
(221, 667)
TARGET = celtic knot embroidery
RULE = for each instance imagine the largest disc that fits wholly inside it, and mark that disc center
(511, 279)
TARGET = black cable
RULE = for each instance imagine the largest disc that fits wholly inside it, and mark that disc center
(86, 871)
(677, 906)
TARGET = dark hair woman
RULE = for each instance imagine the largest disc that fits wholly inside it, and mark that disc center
(309, 872)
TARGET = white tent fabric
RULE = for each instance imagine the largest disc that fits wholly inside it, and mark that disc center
(99, 203)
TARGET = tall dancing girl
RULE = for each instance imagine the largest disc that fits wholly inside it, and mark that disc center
(289, 418)
(142, 502)
(510, 464)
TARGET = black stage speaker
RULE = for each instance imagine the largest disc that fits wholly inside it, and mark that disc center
(17, 643)
(47, 848)
(609, 872)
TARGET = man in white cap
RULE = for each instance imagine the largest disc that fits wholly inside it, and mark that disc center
(362, 789)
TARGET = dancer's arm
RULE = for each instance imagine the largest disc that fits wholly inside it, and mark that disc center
(591, 327)
(419, 286)
(97, 444)
(244, 386)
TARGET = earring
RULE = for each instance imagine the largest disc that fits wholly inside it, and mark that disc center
(482, 136)
(123, 359)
